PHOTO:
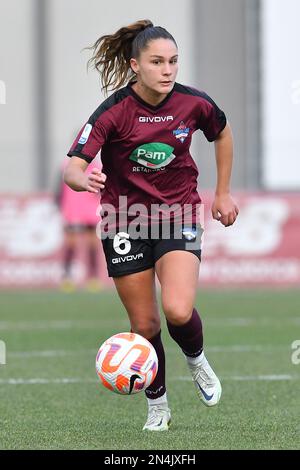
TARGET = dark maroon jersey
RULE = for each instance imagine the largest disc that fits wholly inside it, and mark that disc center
(145, 149)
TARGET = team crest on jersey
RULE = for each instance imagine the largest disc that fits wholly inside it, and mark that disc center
(181, 132)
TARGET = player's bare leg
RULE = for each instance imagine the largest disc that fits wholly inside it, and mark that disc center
(178, 273)
(138, 295)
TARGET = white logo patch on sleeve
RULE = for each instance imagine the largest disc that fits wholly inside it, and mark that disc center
(85, 134)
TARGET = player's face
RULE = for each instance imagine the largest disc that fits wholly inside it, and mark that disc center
(157, 66)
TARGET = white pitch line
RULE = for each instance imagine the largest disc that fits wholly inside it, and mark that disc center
(268, 378)
(39, 381)
(250, 378)
(250, 321)
(74, 380)
(210, 321)
(60, 324)
(50, 353)
(226, 349)
(247, 348)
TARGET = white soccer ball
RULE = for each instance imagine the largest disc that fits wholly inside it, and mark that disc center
(126, 363)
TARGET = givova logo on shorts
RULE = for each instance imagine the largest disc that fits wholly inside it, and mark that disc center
(122, 246)
(153, 155)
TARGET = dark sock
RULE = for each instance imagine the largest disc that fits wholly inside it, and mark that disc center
(93, 262)
(67, 259)
(158, 386)
(188, 336)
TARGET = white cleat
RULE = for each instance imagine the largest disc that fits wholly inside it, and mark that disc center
(159, 418)
(207, 383)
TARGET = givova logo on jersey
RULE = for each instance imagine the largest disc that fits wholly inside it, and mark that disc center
(153, 155)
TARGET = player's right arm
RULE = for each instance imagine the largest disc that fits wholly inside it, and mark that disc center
(78, 180)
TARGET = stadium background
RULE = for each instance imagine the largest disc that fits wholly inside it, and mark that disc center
(233, 51)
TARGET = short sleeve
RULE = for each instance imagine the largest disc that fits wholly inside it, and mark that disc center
(212, 119)
(89, 141)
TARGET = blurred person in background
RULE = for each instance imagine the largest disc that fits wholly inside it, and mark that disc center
(80, 219)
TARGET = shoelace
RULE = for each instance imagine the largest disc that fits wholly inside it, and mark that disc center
(199, 373)
(155, 413)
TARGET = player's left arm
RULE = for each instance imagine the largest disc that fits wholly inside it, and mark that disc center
(224, 207)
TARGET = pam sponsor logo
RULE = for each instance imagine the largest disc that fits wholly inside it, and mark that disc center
(155, 118)
(2, 92)
(2, 353)
(153, 155)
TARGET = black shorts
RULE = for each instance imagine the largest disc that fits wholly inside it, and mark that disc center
(127, 254)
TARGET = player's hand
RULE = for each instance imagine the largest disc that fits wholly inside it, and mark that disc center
(95, 181)
(224, 209)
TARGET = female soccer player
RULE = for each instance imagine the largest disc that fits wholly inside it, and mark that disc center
(144, 131)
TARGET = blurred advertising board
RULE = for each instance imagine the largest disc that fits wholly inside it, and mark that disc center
(261, 248)
(31, 244)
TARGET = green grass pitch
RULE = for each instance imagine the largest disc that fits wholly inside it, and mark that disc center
(50, 397)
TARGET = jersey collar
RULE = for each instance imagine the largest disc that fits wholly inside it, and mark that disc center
(144, 103)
